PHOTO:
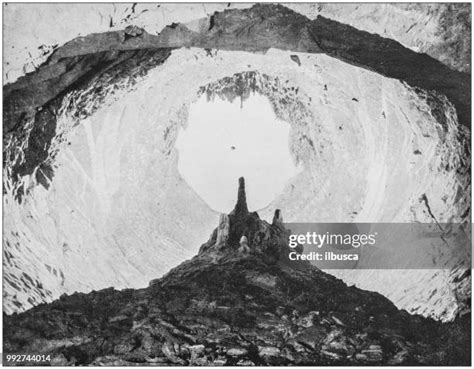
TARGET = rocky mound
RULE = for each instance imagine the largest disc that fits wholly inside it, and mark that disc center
(238, 302)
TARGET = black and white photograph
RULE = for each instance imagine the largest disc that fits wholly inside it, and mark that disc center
(236, 184)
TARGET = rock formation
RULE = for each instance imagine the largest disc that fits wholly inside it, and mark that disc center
(241, 206)
(222, 231)
(440, 30)
(227, 308)
(290, 31)
(382, 134)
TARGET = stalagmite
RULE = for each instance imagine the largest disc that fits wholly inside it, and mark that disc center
(222, 231)
(277, 218)
(244, 245)
(241, 206)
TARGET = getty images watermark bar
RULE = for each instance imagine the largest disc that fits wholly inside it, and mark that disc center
(380, 245)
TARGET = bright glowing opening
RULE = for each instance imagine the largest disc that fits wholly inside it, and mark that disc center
(225, 141)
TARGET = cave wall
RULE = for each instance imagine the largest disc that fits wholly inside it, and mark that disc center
(381, 139)
(439, 30)
(116, 203)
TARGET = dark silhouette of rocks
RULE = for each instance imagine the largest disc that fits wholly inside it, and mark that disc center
(241, 206)
(224, 307)
(277, 218)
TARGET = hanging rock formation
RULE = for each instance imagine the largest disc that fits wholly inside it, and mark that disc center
(84, 59)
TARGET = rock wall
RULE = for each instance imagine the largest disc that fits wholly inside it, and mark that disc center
(442, 31)
(90, 163)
